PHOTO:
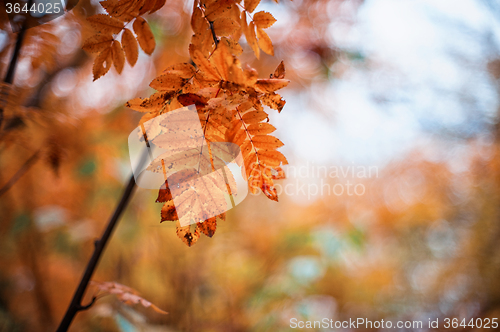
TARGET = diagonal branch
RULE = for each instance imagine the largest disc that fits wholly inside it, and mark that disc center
(26, 166)
(100, 245)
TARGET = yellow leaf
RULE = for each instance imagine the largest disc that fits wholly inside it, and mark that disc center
(265, 42)
(144, 35)
(97, 43)
(118, 56)
(102, 63)
(129, 44)
(105, 24)
(250, 5)
(263, 19)
(224, 26)
(273, 100)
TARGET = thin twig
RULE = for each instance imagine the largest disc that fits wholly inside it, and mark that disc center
(26, 166)
(11, 71)
(99, 245)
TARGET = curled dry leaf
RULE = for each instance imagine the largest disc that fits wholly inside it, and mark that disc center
(125, 294)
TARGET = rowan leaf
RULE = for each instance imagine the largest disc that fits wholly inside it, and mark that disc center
(125, 294)
(250, 5)
(261, 128)
(98, 43)
(158, 5)
(273, 100)
(270, 85)
(103, 23)
(203, 64)
(118, 56)
(254, 116)
(144, 34)
(129, 44)
(265, 42)
(225, 26)
(263, 19)
(249, 32)
(167, 82)
(102, 63)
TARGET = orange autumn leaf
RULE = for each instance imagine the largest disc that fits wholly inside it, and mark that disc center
(144, 35)
(130, 47)
(265, 42)
(118, 56)
(102, 63)
(263, 19)
(250, 5)
(105, 24)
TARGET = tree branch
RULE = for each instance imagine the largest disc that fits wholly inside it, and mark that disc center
(99, 245)
(9, 77)
(26, 166)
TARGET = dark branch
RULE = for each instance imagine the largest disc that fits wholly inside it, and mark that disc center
(11, 71)
(26, 166)
(99, 246)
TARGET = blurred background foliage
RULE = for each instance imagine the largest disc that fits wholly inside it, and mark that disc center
(408, 87)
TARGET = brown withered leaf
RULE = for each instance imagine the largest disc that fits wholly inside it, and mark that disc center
(280, 71)
(129, 44)
(145, 36)
(118, 56)
(103, 23)
(152, 104)
(125, 294)
(102, 63)
(98, 43)
(186, 235)
(273, 100)
(263, 20)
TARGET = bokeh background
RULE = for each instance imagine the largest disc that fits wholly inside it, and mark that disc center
(408, 89)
